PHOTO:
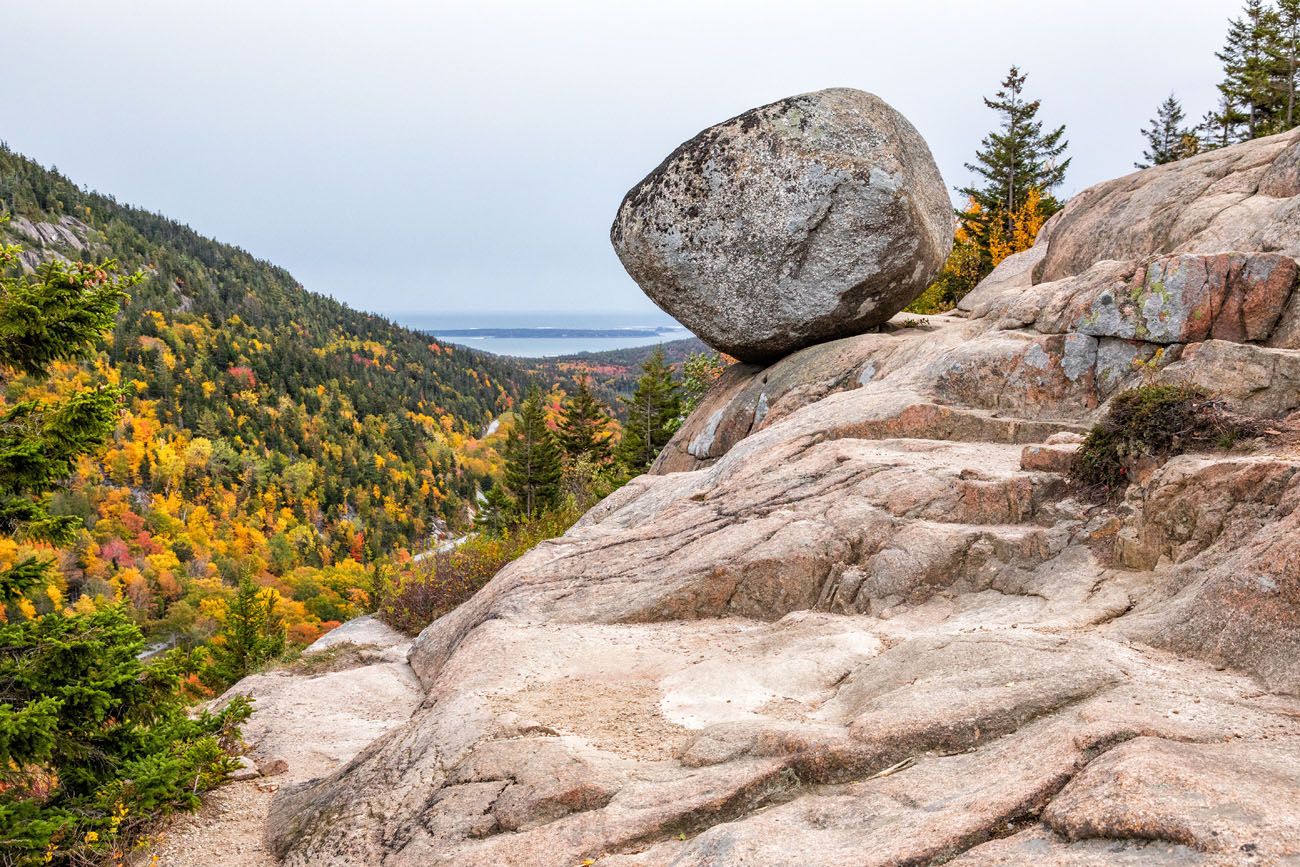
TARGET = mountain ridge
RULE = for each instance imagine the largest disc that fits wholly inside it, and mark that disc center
(304, 434)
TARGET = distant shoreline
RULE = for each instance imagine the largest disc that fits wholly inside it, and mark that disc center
(556, 333)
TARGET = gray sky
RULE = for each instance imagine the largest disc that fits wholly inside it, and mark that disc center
(452, 156)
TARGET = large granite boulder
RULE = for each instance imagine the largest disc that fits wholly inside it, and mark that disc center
(815, 217)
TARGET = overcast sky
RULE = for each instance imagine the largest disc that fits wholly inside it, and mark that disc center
(438, 156)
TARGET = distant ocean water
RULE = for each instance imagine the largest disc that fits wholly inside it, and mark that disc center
(538, 345)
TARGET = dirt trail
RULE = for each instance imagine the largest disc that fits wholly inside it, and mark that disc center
(349, 688)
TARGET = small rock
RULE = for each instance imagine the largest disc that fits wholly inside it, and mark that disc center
(245, 769)
(1048, 459)
(1063, 438)
(272, 767)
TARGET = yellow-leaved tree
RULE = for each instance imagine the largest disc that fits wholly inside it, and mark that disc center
(1014, 233)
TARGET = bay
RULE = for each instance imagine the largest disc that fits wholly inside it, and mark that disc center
(536, 343)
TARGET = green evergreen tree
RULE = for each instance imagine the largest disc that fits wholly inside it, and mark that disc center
(1286, 56)
(493, 515)
(699, 371)
(251, 634)
(91, 741)
(1167, 139)
(653, 414)
(1012, 160)
(57, 314)
(1218, 127)
(534, 464)
(1253, 102)
(584, 426)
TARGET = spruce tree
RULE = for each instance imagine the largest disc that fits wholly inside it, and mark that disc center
(1015, 161)
(1253, 102)
(92, 742)
(1218, 127)
(1167, 138)
(251, 634)
(653, 414)
(1018, 155)
(57, 314)
(584, 426)
(534, 466)
(493, 515)
(1286, 56)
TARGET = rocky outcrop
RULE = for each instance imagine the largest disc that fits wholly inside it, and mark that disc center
(857, 617)
(815, 217)
(65, 239)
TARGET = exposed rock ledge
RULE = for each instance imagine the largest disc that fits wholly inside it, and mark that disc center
(843, 626)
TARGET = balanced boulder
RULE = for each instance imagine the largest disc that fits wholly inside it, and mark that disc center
(815, 217)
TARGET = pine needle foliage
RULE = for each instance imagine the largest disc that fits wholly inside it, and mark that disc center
(584, 427)
(1017, 165)
(1167, 138)
(1261, 75)
(57, 314)
(493, 515)
(1017, 158)
(533, 463)
(654, 412)
(93, 744)
(251, 634)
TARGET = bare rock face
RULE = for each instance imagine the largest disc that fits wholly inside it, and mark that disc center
(857, 616)
(1232, 199)
(1158, 789)
(815, 217)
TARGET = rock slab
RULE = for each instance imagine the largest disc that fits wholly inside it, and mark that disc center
(812, 218)
(851, 620)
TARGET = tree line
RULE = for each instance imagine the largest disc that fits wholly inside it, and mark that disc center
(1020, 164)
(1256, 96)
(571, 452)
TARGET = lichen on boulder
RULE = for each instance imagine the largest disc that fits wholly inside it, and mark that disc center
(815, 217)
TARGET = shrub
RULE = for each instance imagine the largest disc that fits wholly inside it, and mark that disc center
(94, 745)
(439, 583)
(1152, 423)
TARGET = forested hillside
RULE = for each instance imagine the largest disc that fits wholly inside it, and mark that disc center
(267, 431)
